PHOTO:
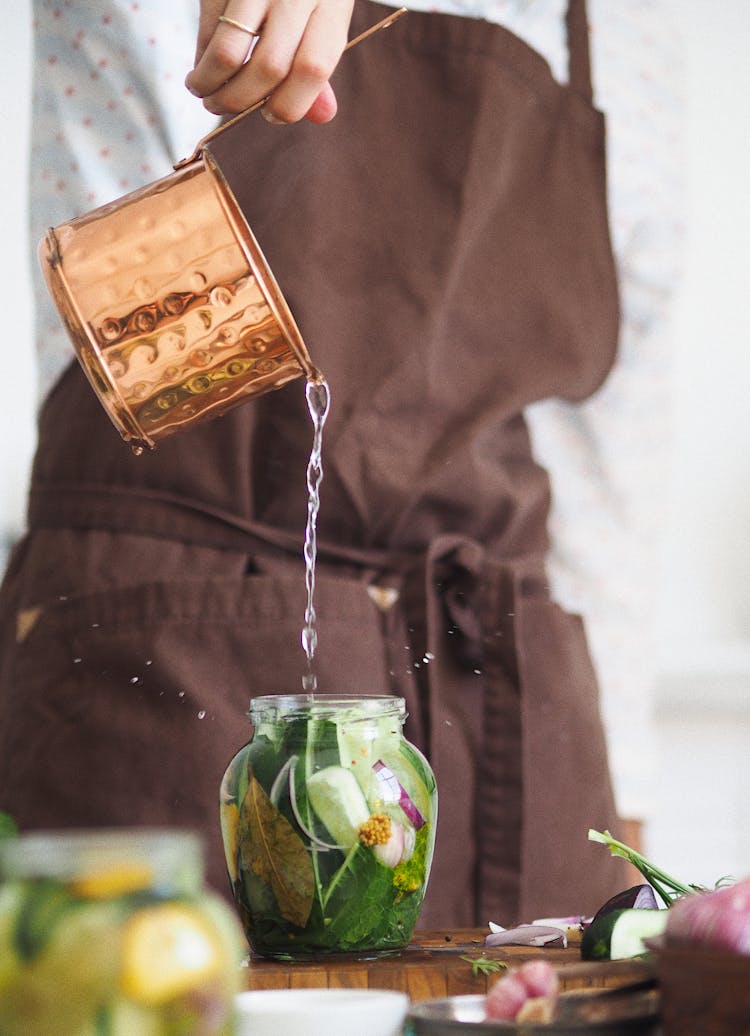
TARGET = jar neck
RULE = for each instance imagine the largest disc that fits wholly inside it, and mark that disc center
(165, 861)
(276, 708)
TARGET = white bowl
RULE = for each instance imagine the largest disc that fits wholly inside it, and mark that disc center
(320, 1012)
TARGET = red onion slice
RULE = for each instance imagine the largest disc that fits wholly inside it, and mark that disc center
(575, 921)
(392, 790)
(528, 935)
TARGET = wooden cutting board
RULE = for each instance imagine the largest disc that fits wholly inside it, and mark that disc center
(432, 967)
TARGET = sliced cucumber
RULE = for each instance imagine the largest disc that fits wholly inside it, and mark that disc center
(620, 934)
(338, 801)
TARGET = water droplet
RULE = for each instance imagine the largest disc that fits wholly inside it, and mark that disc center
(180, 694)
(309, 641)
(318, 400)
(149, 662)
(135, 679)
(309, 683)
(95, 625)
(62, 597)
(478, 672)
(428, 657)
(77, 660)
(202, 714)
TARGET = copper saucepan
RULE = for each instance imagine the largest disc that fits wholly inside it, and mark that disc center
(173, 311)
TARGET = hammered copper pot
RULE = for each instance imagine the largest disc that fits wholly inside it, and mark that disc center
(173, 311)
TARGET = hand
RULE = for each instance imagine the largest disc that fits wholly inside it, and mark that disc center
(290, 61)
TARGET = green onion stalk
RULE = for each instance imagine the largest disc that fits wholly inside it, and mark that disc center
(663, 884)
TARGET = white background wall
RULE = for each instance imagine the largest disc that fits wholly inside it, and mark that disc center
(701, 828)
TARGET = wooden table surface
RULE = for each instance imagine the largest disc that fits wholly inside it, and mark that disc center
(431, 967)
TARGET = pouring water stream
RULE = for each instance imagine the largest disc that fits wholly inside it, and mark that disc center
(318, 403)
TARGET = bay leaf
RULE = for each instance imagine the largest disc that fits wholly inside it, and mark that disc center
(272, 849)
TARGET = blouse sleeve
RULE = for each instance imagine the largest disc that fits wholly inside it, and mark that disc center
(110, 112)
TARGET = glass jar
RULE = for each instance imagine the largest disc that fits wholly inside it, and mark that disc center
(328, 818)
(111, 932)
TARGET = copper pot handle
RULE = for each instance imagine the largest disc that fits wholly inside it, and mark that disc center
(382, 24)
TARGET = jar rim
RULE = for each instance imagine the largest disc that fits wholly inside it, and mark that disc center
(173, 855)
(293, 705)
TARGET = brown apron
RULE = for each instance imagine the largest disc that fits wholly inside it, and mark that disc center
(444, 247)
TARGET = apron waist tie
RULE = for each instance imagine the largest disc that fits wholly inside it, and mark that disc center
(469, 681)
(158, 513)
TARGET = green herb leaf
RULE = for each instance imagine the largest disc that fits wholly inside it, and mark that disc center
(667, 887)
(271, 848)
(8, 828)
(364, 908)
(485, 965)
(359, 898)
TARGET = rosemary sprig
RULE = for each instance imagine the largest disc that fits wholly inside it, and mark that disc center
(484, 965)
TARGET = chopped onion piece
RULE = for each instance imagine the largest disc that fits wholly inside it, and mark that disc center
(528, 935)
(282, 777)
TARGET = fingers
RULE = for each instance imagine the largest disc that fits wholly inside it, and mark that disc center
(310, 65)
(300, 44)
(222, 49)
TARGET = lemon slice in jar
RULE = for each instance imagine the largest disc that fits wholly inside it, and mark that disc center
(229, 816)
(167, 950)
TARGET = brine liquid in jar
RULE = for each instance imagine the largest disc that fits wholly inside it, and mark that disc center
(328, 816)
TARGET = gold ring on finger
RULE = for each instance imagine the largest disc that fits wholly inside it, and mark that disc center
(238, 25)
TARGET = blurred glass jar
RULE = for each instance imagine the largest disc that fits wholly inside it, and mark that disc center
(112, 932)
(328, 817)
